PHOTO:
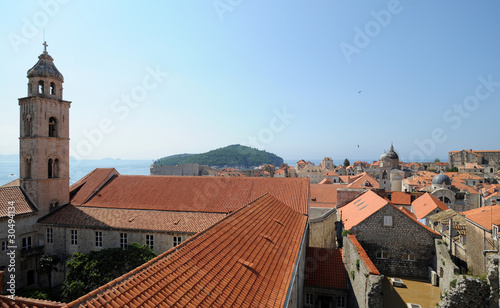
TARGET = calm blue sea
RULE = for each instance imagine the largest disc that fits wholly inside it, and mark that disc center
(9, 168)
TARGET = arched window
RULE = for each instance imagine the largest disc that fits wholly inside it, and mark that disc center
(52, 88)
(40, 87)
(52, 127)
(27, 125)
(27, 170)
(50, 170)
(55, 168)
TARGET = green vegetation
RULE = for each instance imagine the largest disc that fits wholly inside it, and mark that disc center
(231, 156)
(437, 160)
(454, 169)
(46, 265)
(453, 283)
(357, 264)
(346, 162)
(353, 274)
(345, 232)
(87, 272)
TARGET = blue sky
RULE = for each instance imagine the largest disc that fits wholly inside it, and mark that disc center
(149, 79)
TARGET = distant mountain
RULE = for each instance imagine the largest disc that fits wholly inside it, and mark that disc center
(228, 157)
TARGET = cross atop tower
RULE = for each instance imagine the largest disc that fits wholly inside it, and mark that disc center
(45, 46)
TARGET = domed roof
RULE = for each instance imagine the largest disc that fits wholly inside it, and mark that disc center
(389, 155)
(45, 67)
(441, 179)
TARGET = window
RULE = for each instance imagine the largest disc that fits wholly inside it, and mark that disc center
(98, 239)
(387, 221)
(74, 237)
(27, 125)
(177, 240)
(49, 236)
(382, 254)
(4, 245)
(494, 231)
(26, 243)
(309, 299)
(408, 257)
(149, 241)
(52, 127)
(341, 302)
(40, 87)
(27, 171)
(52, 88)
(53, 168)
(123, 240)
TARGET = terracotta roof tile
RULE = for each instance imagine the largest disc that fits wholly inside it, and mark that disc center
(362, 254)
(427, 203)
(412, 216)
(361, 208)
(324, 194)
(87, 186)
(104, 218)
(484, 216)
(400, 198)
(325, 268)
(23, 302)
(229, 264)
(21, 202)
(196, 194)
(364, 180)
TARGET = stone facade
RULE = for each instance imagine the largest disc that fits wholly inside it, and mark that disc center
(322, 230)
(182, 170)
(406, 248)
(446, 270)
(320, 296)
(489, 160)
(365, 287)
(478, 240)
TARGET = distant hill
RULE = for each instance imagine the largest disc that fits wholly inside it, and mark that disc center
(228, 157)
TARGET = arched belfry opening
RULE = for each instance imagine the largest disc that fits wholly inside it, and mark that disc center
(52, 127)
(40, 87)
(52, 88)
(53, 168)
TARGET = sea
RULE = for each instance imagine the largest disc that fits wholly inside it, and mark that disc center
(9, 167)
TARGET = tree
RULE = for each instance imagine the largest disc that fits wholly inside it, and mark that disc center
(346, 162)
(46, 265)
(87, 272)
(454, 169)
(437, 160)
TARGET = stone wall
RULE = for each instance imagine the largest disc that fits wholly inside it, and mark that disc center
(322, 230)
(404, 237)
(365, 284)
(478, 240)
(446, 270)
(345, 195)
(469, 292)
(182, 170)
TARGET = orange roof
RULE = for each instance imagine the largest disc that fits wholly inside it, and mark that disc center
(400, 197)
(412, 216)
(20, 201)
(87, 186)
(245, 260)
(13, 183)
(185, 193)
(362, 180)
(427, 203)
(325, 268)
(361, 208)
(104, 218)
(23, 302)
(324, 194)
(484, 216)
(325, 181)
(362, 254)
(331, 173)
(407, 212)
(462, 186)
(468, 176)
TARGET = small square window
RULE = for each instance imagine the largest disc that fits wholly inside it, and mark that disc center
(409, 257)
(50, 236)
(309, 299)
(177, 240)
(341, 302)
(150, 241)
(387, 221)
(26, 243)
(98, 239)
(123, 240)
(381, 254)
(74, 237)
(4, 245)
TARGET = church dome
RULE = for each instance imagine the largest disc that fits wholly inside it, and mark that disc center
(441, 179)
(390, 155)
(45, 68)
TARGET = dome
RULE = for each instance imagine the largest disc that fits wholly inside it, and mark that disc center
(441, 179)
(45, 68)
(390, 155)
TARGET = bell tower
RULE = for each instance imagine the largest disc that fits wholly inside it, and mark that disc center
(44, 137)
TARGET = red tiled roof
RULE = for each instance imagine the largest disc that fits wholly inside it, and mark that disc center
(20, 201)
(361, 208)
(87, 186)
(194, 194)
(102, 218)
(427, 203)
(407, 212)
(325, 268)
(400, 197)
(412, 216)
(363, 256)
(325, 181)
(22, 302)
(362, 179)
(13, 183)
(484, 216)
(324, 194)
(245, 260)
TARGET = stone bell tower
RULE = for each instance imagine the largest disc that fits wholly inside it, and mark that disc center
(44, 137)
